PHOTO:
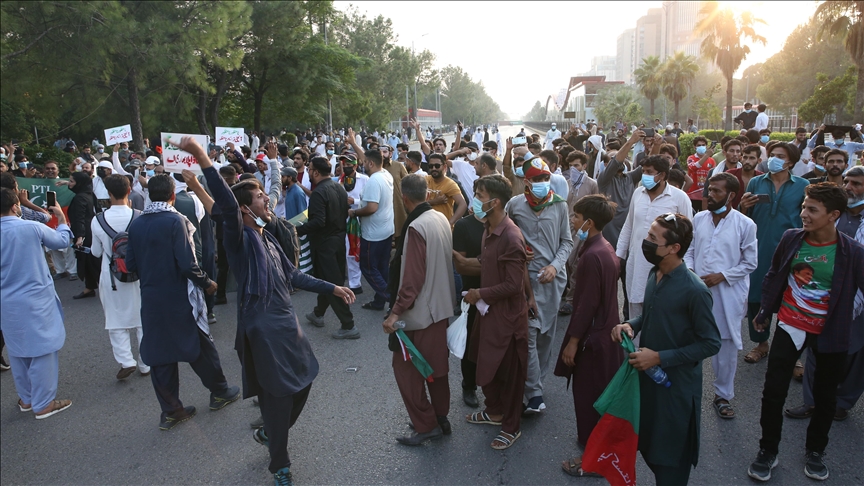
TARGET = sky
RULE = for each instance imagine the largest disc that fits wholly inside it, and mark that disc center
(493, 33)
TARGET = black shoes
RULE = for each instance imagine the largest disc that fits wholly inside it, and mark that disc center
(372, 306)
(218, 402)
(815, 467)
(84, 295)
(357, 291)
(221, 300)
(446, 429)
(806, 411)
(469, 396)
(761, 468)
(125, 373)
(416, 439)
(170, 421)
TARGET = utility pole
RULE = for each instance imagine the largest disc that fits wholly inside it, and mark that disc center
(329, 102)
(407, 105)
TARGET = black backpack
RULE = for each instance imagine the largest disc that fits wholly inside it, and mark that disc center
(119, 241)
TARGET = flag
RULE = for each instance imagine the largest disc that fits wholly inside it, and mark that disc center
(37, 190)
(409, 352)
(611, 448)
(353, 231)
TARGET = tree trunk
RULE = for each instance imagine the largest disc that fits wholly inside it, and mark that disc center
(135, 110)
(259, 100)
(677, 102)
(216, 101)
(201, 112)
(859, 95)
(728, 125)
(652, 108)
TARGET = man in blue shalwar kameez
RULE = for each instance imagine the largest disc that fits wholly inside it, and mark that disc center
(278, 362)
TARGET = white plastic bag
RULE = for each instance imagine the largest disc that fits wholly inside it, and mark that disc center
(457, 332)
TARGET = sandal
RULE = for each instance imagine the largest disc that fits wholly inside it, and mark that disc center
(24, 407)
(574, 468)
(798, 372)
(565, 310)
(723, 408)
(480, 418)
(506, 439)
(755, 355)
(55, 407)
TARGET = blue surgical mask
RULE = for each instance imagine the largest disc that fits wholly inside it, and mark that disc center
(723, 208)
(747, 111)
(330, 152)
(839, 141)
(540, 189)
(853, 202)
(151, 172)
(519, 172)
(763, 139)
(582, 234)
(820, 168)
(775, 165)
(258, 221)
(648, 182)
(338, 139)
(701, 149)
(477, 206)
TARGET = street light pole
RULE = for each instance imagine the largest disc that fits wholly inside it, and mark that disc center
(329, 101)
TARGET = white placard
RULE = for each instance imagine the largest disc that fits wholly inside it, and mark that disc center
(228, 134)
(118, 135)
(176, 160)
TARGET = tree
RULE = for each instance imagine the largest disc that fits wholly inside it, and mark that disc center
(723, 33)
(676, 77)
(706, 108)
(648, 79)
(829, 96)
(846, 20)
(537, 113)
(615, 103)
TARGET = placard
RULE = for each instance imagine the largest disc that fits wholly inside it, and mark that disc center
(227, 134)
(176, 160)
(118, 135)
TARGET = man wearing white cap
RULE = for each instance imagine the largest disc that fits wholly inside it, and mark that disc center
(551, 135)
(103, 170)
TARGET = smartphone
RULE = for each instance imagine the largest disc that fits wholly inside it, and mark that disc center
(763, 198)
(520, 140)
(713, 144)
(531, 314)
(649, 132)
(51, 198)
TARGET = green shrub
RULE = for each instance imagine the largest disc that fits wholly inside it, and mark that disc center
(289, 139)
(685, 141)
(39, 154)
(782, 136)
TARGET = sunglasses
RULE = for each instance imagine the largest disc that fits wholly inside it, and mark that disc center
(670, 217)
(435, 166)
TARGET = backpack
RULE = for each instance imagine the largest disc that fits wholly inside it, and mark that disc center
(119, 242)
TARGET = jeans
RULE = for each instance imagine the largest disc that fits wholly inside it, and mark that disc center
(279, 414)
(375, 267)
(830, 372)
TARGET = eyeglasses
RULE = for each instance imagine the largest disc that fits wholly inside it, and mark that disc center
(435, 166)
(670, 217)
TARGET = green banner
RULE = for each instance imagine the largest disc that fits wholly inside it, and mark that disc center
(39, 187)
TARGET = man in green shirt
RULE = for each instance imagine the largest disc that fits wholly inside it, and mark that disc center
(678, 331)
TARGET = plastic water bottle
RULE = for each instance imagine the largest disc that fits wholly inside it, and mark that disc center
(399, 324)
(659, 376)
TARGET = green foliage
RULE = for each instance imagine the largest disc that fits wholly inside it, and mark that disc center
(618, 102)
(676, 76)
(647, 78)
(718, 134)
(707, 109)
(39, 154)
(537, 113)
(465, 99)
(829, 96)
(289, 139)
(845, 20)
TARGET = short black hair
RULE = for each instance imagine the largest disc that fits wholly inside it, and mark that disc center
(497, 186)
(752, 135)
(117, 185)
(161, 188)
(488, 161)
(302, 155)
(839, 152)
(321, 165)
(832, 196)
(414, 156)
(660, 164)
(596, 207)
(731, 182)
(699, 138)
(754, 149)
(762, 107)
(402, 146)
(243, 191)
(227, 171)
(577, 155)
(375, 157)
(678, 231)
(676, 177)
(814, 153)
(731, 142)
(535, 146)
(549, 156)
(8, 199)
(437, 156)
(7, 180)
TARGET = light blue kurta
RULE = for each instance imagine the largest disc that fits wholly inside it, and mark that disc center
(31, 316)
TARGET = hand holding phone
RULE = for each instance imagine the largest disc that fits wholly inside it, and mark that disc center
(51, 198)
(763, 198)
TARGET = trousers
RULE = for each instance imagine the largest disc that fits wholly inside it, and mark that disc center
(375, 266)
(756, 336)
(469, 368)
(504, 393)
(89, 268)
(670, 475)
(539, 360)
(221, 270)
(828, 374)
(279, 414)
(121, 344)
(353, 268)
(64, 261)
(725, 364)
(36, 379)
(329, 268)
(166, 378)
(423, 411)
(850, 388)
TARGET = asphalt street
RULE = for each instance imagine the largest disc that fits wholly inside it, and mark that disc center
(346, 433)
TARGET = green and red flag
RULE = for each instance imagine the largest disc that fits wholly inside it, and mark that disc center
(410, 353)
(353, 231)
(37, 190)
(611, 448)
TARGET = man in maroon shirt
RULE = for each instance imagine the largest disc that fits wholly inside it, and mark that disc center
(749, 160)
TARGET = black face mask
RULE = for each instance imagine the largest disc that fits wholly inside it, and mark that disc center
(347, 170)
(649, 251)
(100, 171)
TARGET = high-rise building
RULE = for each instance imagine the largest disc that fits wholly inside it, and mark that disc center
(648, 36)
(603, 66)
(626, 56)
(679, 28)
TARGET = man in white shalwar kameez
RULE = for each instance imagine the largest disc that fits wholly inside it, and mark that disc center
(33, 325)
(353, 182)
(121, 301)
(723, 254)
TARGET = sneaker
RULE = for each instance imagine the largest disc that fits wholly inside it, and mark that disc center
(260, 437)
(352, 333)
(535, 405)
(802, 412)
(125, 373)
(315, 320)
(4, 365)
(761, 468)
(170, 421)
(229, 396)
(211, 318)
(283, 477)
(257, 423)
(815, 467)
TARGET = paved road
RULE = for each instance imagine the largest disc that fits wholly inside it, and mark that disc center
(346, 433)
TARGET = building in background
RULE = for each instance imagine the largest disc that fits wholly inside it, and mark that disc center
(582, 94)
(603, 66)
(626, 56)
(679, 28)
(648, 36)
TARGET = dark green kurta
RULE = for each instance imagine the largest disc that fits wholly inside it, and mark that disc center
(677, 322)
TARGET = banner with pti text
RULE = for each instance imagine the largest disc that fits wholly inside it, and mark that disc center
(38, 188)
(176, 160)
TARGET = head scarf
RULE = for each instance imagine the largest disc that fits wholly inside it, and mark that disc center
(83, 183)
(534, 168)
(597, 142)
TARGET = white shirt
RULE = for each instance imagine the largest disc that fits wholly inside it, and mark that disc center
(478, 138)
(728, 248)
(361, 180)
(550, 136)
(380, 224)
(642, 212)
(421, 173)
(122, 306)
(99, 189)
(255, 143)
(466, 174)
(761, 121)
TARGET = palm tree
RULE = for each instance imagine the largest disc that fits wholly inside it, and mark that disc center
(676, 76)
(648, 79)
(723, 33)
(846, 19)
